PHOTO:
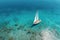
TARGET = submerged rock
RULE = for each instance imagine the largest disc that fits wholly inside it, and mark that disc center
(1, 38)
(11, 38)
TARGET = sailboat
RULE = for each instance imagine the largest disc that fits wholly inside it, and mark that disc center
(36, 20)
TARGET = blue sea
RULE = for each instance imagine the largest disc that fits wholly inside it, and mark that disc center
(16, 19)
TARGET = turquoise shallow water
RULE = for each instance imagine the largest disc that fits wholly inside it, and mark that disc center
(18, 23)
(17, 16)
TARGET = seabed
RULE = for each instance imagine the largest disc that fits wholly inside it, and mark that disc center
(18, 27)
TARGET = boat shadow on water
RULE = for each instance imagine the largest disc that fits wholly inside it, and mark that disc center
(33, 25)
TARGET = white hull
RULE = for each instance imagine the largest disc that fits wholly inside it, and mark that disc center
(37, 21)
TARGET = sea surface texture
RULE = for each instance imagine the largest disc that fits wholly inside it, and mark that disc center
(17, 17)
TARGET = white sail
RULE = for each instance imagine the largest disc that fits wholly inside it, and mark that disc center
(36, 16)
(36, 20)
